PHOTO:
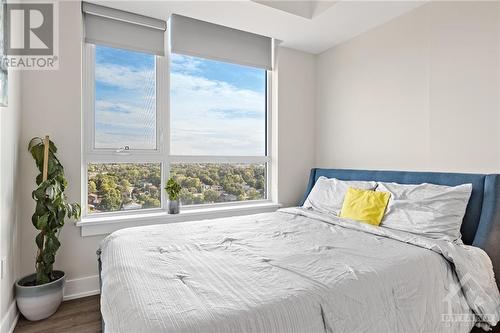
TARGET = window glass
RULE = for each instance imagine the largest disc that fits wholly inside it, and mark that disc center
(219, 182)
(123, 186)
(216, 108)
(125, 99)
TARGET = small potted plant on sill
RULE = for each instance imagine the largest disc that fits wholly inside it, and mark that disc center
(39, 295)
(173, 189)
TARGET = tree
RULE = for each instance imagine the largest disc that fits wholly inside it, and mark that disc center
(151, 203)
(192, 182)
(260, 183)
(134, 176)
(205, 179)
(246, 182)
(187, 198)
(198, 199)
(211, 196)
(252, 194)
(92, 187)
(111, 200)
(155, 176)
(125, 185)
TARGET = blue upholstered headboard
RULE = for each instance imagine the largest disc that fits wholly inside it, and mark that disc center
(481, 224)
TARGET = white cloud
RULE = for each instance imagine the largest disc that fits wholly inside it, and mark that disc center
(183, 64)
(120, 124)
(212, 94)
(198, 126)
(124, 77)
(208, 117)
(125, 112)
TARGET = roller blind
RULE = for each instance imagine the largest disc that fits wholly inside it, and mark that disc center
(117, 28)
(202, 39)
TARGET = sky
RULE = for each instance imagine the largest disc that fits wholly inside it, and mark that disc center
(215, 108)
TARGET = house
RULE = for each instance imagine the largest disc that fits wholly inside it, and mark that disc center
(132, 206)
(217, 188)
(228, 197)
(93, 199)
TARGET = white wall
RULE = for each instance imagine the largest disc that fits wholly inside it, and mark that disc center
(296, 88)
(10, 129)
(418, 93)
(52, 105)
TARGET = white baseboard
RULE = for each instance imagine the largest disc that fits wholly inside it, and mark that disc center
(82, 287)
(9, 320)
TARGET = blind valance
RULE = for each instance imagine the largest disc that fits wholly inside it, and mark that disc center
(121, 29)
(203, 39)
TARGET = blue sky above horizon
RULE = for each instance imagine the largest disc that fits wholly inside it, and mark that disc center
(216, 108)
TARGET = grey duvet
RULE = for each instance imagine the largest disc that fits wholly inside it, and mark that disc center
(292, 271)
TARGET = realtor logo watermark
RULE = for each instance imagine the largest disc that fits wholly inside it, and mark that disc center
(453, 298)
(30, 36)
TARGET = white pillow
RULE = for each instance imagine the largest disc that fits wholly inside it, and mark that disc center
(430, 210)
(327, 195)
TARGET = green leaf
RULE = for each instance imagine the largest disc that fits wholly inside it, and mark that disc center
(48, 258)
(77, 210)
(42, 222)
(42, 277)
(33, 142)
(69, 209)
(52, 147)
(50, 192)
(39, 240)
(52, 244)
(39, 193)
(52, 167)
(173, 189)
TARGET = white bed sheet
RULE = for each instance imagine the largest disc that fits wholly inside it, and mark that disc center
(289, 271)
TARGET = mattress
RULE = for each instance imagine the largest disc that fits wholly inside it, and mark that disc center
(291, 271)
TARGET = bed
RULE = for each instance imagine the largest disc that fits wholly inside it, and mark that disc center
(301, 271)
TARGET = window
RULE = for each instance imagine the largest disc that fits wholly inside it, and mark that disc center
(216, 108)
(150, 116)
(123, 159)
(217, 112)
(125, 99)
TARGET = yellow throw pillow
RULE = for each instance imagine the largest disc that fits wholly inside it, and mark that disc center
(364, 205)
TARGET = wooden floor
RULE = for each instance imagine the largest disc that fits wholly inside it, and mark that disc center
(81, 315)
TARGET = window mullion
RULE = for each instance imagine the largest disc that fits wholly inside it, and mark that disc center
(163, 122)
(218, 159)
(125, 158)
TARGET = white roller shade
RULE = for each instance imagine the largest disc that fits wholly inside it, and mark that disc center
(117, 28)
(202, 39)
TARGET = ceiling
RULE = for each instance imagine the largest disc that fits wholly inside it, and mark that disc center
(309, 26)
(306, 9)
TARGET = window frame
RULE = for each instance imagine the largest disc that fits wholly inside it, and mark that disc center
(162, 152)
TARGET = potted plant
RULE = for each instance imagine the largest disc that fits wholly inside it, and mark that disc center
(173, 189)
(39, 295)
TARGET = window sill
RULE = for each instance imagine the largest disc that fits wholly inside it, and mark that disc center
(92, 226)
